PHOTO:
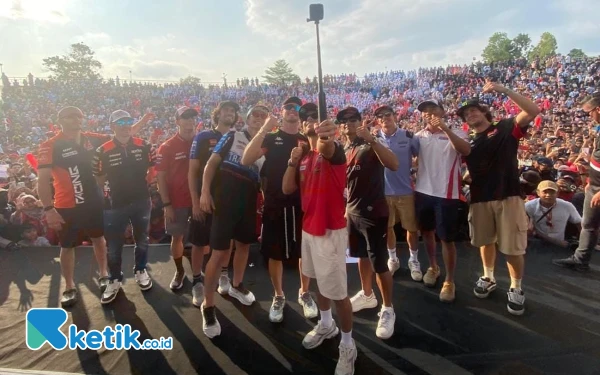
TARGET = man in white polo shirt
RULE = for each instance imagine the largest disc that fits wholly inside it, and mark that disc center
(438, 191)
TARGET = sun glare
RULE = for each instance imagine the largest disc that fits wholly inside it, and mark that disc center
(36, 10)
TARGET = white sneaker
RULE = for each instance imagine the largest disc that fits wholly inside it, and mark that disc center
(210, 325)
(224, 284)
(198, 294)
(315, 337)
(242, 294)
(415, 270)
(143, 280)
(360, 302)
(385, 326)
(308, 305)
(345, 365)
(393, 265)
(111, 291)
(276, 310)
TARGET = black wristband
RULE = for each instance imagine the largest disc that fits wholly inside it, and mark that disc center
(166, 204)
(48, 208)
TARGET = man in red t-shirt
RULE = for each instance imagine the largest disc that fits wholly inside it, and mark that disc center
(172, 163)
(320, 174)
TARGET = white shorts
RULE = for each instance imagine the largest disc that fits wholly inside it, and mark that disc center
(324, 259)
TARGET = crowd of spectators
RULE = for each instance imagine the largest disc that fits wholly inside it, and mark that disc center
(557, 148)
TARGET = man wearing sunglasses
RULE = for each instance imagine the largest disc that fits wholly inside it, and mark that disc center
(282, 214)
(172, 165)
(399, 190)
(588, 239)
(76, 206)
(233, 209)
(123, 162)
(367, 215)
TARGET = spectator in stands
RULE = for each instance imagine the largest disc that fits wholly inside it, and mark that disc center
(588, 239)
(30, 237)
(497, 212)
(549, 215)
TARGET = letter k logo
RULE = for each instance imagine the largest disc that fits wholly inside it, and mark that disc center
(43, 325)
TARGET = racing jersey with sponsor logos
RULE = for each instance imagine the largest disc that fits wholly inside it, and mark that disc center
(202, 147)
(231, 149)
(71, 164)
(125, 166)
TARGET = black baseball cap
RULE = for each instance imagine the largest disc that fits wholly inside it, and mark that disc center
(229, 103)
(425, 103)
(308, 110)
(293, 100)
(348, 114)
(467, 104)
(382, 109)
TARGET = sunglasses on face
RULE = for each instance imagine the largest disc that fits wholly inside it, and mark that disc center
(124, 122)
(260, 114)
(387, 114)
(350, 120)
(291, 107)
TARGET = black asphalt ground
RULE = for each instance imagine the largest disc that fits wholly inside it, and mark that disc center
(559, 333)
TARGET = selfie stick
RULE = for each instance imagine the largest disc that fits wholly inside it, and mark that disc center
(316, 15)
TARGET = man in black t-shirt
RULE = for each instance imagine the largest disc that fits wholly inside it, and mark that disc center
(497, 212)
(282, 214)
(367, 215)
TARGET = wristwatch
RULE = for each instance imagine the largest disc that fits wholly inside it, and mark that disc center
(291, 164)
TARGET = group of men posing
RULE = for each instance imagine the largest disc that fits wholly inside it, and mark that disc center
(320, 198)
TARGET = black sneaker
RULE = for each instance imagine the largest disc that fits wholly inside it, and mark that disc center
(483, 287)
(516, 301)
(69, 297)
(572, 263)
(210, 325)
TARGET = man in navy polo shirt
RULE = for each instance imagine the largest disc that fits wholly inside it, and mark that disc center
(399, 190)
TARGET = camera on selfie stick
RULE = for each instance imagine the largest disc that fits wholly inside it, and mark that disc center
(316, 15)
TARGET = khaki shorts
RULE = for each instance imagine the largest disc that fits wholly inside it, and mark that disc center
(324, 259)
(504, 222)
(402, 209)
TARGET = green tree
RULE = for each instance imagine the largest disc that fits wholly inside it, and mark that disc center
(545, 48)
(577, 53)
(190, 80)
(78, 64)
(522, 45)
(499, 48)
(280, 74)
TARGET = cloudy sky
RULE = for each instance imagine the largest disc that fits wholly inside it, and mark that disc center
(170, 39)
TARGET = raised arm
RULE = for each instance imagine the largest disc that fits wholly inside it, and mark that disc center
(528, 108)
(254, 150)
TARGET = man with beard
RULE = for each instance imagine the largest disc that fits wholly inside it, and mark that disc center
(497, 212)
(172, 164)
(438, 192)
(588, 238)
(200, 223)
(367, 212)
(320, 176)
(282, 214)
(76, 207)
(233, 210)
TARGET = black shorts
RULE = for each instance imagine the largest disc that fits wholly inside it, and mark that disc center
(282, 233)
(234, 218)
(439, 214)
(199, 231)
(367, 238)
(79, 223)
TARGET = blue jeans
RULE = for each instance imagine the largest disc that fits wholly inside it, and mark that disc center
(115, 224)
(590, 224)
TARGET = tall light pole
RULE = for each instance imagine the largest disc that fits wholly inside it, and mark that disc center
(130, 76)
(316, 15)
